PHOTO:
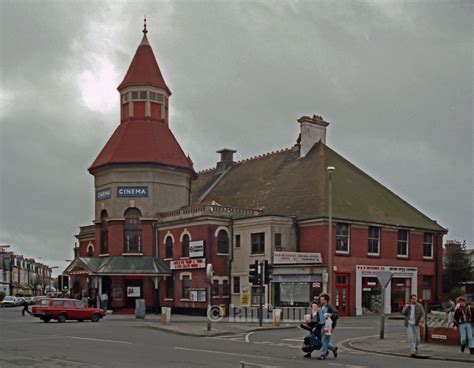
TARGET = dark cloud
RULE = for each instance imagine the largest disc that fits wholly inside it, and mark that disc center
(394, 79)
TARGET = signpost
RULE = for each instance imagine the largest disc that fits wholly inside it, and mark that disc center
(384, 278)
(209, 274)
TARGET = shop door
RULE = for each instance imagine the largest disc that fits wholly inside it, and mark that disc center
(133, 291)
(342, 293)
(400, 293)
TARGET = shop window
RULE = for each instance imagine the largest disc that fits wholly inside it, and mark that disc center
(428, 245)
(402, 249)
(132, 231)
(185, 286)
(222, 242)
(342, 237)
(255, 296)
(215, 288)
(169, 287)
(225, 287)
(169, 247)
(258, 243)
(427, 287)
(185, 246)
(278, 242)
(104, 234)
(374, 241)
(237, 241)
(236, 284)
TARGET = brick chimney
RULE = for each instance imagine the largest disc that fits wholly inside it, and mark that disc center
(227, 159)
(312, 130)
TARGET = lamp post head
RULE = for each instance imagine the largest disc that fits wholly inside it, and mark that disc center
(331, 169)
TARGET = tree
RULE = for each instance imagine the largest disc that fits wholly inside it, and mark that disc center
(457, 266)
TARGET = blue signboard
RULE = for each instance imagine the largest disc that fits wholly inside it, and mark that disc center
(103, 194)
(132, 191)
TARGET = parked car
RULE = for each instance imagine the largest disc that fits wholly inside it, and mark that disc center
(9, 301)
(62, 309)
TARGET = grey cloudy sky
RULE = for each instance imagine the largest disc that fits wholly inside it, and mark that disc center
(393, 78)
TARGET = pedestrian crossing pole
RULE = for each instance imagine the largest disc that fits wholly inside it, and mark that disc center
(260, 307)
(384, 278)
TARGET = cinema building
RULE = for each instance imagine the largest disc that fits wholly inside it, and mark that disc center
(158, 222)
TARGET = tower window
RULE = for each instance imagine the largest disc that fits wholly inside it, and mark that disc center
(135, 95)
(158, 97)
(124, 97)
(132, 231)
(142, 95)
(104, 234)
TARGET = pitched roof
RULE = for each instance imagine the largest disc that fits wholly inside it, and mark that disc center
(282, 183)
(142, 142)
(120, 265)
(144, 69)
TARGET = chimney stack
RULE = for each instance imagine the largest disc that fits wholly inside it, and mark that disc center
(312, 130)
(227, 159)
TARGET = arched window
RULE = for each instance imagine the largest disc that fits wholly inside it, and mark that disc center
(185, 246)
(222, 242)
(169, 247)
(104, 233)
(132, 231)
(90, 250)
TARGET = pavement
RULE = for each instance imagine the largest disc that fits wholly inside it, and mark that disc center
(395, 344)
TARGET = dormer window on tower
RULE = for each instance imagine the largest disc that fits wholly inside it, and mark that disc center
(143, 104)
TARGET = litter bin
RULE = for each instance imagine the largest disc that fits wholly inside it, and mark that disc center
(165, 315)
(277, 317)
(140, 308)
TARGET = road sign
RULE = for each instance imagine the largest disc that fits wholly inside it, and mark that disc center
(384, 277)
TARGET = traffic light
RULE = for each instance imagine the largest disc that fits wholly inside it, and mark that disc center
(254, 278)
(268, 270)
(65, 283)
(60, 282)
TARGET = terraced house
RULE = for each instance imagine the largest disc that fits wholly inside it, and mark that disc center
(158, 222)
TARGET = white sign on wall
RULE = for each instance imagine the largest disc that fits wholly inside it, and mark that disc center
(133, 291)
(296, 258)
(182, 264)
(196, 248)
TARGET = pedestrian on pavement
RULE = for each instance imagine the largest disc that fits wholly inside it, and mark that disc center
(313, 323)
(462, 321)
(452, 308)
(104, 300)
(326, 311)
(25, 308)
(414, 319)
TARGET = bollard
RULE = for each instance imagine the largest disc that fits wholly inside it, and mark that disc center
(277, 317)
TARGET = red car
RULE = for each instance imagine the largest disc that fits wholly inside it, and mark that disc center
(65, 309)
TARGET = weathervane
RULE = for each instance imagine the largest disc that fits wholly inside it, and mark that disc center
(144, 25)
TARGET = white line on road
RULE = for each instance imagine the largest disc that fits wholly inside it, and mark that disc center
(223, 353)
(89, 338)
(248, 336)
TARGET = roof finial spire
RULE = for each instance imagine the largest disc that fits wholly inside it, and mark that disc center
(144, 25)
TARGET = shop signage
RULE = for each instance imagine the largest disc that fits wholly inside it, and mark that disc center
(397, 271)
(133, 291)
(196, 248)
(245, 297)
(439, 337)
(182, 264)
(132, 192)
(103, 194)
(296, 258)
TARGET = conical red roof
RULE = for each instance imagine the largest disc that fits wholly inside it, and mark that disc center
(144, 69)
(142, 142)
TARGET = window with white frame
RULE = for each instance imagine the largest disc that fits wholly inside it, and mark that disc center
(258, 243)
(402, 243)
(342, 237)
(169, 247)
(428, 245)
(186, 281)
(374, 240)
(236, 284)
(185, 246)
(222, 242)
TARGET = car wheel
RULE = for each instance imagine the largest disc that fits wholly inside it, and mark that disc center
(95, 318)
(46, 319)
(62, 318)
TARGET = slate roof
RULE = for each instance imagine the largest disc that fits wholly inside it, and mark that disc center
(281, 183)
(128, 265)
(142, 142)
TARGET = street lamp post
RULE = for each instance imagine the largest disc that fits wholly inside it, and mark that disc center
(330, 170)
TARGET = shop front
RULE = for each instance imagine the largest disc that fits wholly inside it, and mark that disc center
(368, 291)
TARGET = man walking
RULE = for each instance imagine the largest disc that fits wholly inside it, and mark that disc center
(104, 298)
(462, 321)
(414, 317)
(326, 311)
(25, 307)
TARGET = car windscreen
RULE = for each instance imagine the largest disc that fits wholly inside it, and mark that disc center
(57, 302)
(44, 302)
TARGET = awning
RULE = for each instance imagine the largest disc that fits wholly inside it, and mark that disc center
(297, 278)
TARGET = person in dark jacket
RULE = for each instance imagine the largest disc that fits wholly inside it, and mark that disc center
(414, 319)
(313, 323)
(25, 307)
(462, 321)
(326, 311)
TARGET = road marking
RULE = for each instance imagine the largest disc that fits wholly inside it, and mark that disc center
(223, 353)
(247, 337)
(33, 338)
(89, 338)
